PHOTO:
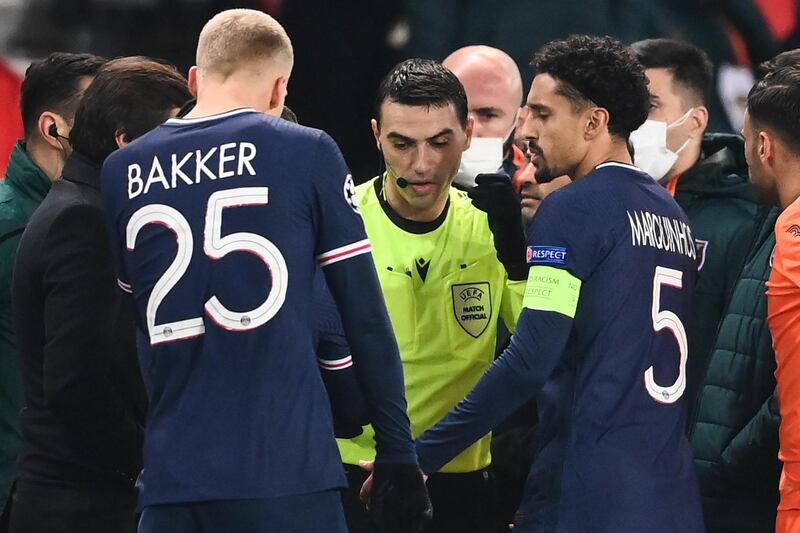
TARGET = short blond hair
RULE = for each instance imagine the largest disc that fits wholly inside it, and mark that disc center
(238, 36)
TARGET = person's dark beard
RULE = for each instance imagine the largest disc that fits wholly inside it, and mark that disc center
(543, 175)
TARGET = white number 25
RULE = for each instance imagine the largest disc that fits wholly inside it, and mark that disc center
(663, 319)
(215, 246)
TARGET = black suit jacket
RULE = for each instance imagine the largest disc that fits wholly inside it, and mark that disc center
(85, 401)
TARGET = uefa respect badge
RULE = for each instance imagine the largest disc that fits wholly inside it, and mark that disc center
(546, 255)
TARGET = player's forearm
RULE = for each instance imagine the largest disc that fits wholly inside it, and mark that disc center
(511, 381)
(376, 358)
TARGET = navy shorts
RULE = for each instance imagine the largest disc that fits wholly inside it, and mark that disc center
(319, 512)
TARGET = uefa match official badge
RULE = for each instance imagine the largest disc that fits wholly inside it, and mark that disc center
(472, 306)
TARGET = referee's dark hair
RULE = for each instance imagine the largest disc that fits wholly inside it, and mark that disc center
(129, 96)
(774, 103)
(422, 82)
(598, 71)
(690, 66)
(53, 84)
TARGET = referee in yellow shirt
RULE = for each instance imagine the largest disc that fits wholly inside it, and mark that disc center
(447, 278)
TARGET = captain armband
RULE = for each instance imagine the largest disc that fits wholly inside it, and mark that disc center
(552, 289)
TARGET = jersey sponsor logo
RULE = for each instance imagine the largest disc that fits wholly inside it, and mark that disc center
(662, 233)
(472, 306)
(350, 193)
(549, 255)
(701, 247)
(793, 230)
(422, 267)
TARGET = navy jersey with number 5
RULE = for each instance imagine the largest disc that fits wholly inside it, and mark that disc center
(602, 345)
(217, 226)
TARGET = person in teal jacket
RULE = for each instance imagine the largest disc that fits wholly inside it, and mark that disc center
(734, 430)
(49, 97)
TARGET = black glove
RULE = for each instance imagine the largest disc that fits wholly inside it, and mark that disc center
(495, 195)
(399, 500)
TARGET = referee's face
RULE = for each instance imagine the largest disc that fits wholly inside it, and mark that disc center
(554, 131)
(423, 145)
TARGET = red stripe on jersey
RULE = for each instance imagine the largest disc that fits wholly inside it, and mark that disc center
(344, 252)
(337, 364)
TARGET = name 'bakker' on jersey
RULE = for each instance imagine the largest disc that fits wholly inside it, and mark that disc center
(232, 160)
(661, 232)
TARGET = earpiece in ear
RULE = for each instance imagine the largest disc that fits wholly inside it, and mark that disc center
(52, 131)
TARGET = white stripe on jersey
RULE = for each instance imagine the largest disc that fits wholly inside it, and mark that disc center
(336, 364)
(344, 252)
(124, 286)
(615, 164)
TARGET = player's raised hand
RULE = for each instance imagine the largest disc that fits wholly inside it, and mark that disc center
(495, 195)
(396, 496)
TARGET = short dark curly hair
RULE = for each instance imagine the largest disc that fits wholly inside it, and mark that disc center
(598, 71)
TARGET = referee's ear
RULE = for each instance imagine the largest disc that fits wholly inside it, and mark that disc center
(193, 81)
(376, 131)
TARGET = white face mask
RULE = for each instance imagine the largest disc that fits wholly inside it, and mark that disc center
(484, 156)
(650, 152)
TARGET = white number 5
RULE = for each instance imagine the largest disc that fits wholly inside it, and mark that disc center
(663, 319)
(215, 246)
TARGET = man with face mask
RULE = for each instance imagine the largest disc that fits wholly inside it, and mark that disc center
(444, 286)
(707, 176)
(49, 97)
(493, 85)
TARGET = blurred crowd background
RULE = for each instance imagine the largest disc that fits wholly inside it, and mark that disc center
(343, 48)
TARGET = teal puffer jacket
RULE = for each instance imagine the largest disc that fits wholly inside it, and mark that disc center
(734, 430)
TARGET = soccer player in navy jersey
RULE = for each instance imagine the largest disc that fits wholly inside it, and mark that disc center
(601, 341)
(217, 221)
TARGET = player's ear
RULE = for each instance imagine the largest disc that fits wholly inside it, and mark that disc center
(766, 148)
(278, 95)
(376, 131)
(120, 138)
(193, 81)
(596, 122)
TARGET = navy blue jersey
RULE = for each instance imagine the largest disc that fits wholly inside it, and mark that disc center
(609, 376)
(218, 226)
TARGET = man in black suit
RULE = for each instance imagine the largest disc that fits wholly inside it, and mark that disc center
(82, 427)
